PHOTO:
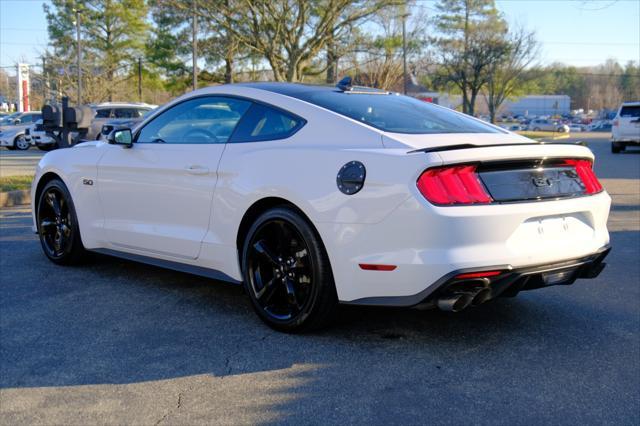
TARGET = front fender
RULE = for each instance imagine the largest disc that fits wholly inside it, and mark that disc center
(76, 167)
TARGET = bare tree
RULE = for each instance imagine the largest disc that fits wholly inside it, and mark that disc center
(288, 34)
(505, 76)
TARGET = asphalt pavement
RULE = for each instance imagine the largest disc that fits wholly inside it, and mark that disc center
(115, 342)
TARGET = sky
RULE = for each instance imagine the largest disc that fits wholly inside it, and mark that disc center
(576, 32)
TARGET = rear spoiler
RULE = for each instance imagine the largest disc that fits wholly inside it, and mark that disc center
(469, 146)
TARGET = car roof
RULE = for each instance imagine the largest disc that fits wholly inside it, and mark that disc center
(121, 105)
(633, 103)
(288, 89)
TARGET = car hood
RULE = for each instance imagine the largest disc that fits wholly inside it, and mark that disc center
(410, 141)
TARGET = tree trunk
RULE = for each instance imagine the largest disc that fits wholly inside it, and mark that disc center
(492, 110)
(110, 75)
(472, 101)
(465, 102)
(332, 64)
(228, 69)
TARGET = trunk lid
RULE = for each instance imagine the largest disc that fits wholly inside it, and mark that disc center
(402, 140)
(523, 172)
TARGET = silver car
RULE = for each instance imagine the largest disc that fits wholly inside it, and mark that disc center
(543, 125)
(12, 129)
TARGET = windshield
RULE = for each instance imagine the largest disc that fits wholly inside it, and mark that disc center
(8, 120)
(394, 113)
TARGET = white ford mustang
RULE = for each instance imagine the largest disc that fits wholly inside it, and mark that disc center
(314, 196)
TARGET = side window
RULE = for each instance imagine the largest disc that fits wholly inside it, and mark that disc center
(204, 120)
(263, 123)
(126, 113)
(103, 113)
(140, 112)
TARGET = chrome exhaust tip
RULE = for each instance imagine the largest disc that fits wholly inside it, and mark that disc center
(456, 302)
(481, 297)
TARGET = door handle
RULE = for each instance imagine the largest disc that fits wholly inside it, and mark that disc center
(196, 170)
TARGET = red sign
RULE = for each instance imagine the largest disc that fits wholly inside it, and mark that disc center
(25, 95)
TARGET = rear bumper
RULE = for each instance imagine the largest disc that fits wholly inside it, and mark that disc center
(426, 243)
(627, 141)
(508, 284)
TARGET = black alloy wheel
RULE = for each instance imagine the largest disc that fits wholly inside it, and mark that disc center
(287, 272)
(57, 225)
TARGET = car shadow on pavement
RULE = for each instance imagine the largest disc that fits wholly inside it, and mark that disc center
(115, 321)
(118, 322)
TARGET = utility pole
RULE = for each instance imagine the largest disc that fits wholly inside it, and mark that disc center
(194, 46)
(140, 79)
(79, 56)
(45, 81)
(404, 53)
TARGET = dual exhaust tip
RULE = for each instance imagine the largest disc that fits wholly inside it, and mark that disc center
(460, 301)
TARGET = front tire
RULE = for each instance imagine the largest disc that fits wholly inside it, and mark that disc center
(21, 143)
(47, 147)
(287, 272)
(58, 225)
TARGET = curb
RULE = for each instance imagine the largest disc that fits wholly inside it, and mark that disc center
(15, 198)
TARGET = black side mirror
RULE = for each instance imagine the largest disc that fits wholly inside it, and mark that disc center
(122, 137)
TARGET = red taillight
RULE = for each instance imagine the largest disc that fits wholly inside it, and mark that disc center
(483, 274)
(585, 172)
(453, 185)
(616, 123)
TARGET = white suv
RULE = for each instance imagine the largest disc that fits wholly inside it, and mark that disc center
(626, 127)
(109, 110)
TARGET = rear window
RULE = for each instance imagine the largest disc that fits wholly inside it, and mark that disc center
(630, 111)
(393, 113)
(262, 123)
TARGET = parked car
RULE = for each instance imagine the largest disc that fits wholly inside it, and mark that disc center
(12, 129)
(311, 196)
(37, 137)
(546, 125)
(576, 128)
(120, 123)
(626, 127)
(115, 110)
(600, 126)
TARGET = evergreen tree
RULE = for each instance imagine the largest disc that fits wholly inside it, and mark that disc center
(113, 34)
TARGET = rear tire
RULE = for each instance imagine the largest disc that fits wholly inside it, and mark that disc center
(57, 224)
(287, 272)
(617, 147)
